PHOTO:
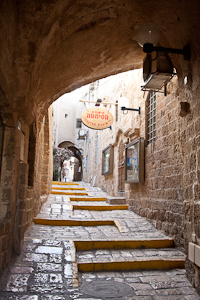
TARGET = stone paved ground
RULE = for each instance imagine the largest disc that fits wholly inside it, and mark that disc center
(44, 270)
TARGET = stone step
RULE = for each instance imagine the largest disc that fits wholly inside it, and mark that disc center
(85, 199)
(145, 264)
(129, 255)
(100, 207)
(116, 200)
(69, 193)
(124, 244)
(69, 222)
(69, 188)
(64, 183)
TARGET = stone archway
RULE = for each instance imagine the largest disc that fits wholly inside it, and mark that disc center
(67, 45)
(78, 169)
(53, 47)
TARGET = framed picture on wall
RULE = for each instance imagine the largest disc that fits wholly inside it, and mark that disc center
(107, 160)
(134, 161)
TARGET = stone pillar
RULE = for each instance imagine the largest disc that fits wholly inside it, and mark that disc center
(46, 177)
(22, 208)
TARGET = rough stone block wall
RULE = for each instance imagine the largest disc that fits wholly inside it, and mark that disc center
(47, 159)
(20, 203)
(161, 197)
(169, 196)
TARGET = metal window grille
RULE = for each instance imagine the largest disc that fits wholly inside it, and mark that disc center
(78, 123)
(152, 117)
(116, 110)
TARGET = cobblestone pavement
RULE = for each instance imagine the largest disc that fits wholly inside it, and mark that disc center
(45, 268)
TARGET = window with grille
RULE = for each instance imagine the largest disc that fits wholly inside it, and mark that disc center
(78, 123)
(151, 117)
(116, 111)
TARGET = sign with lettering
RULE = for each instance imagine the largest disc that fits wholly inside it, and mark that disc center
(97, 118)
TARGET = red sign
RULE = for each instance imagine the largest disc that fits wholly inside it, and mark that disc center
(97, 118)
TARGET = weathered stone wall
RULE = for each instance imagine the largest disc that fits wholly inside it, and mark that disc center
(169, 196)
(20, 202)
(10, 161)
(161, 196)
(128, 125)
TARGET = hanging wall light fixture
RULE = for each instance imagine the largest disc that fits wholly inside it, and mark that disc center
(124, 103)
(148, 36)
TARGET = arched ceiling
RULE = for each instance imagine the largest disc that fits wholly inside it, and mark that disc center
(50, 47)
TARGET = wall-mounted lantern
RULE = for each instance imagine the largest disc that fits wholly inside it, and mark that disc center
(124, 103)
(157, 66)
(148, 36)
(133, 109)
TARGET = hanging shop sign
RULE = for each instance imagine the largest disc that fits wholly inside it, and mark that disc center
(97, 118)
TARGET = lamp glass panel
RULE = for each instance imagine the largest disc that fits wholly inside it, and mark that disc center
(148, 33)
(123, 101)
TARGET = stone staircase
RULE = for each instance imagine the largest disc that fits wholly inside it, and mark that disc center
(126, 249)
(68, 188)
(88, 247)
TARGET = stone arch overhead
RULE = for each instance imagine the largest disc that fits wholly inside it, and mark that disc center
(73, 148)
(71, 43)
(77, 42)
(61, 144)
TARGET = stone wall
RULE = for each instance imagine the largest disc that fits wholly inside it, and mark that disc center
(169, 195)
(20, 202)
(161, 197)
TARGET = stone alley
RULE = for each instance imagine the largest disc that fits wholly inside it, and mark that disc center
(86, 245)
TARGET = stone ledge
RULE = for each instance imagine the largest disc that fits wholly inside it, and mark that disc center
(116, 200)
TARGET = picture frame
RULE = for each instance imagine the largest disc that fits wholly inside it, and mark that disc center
(107, 160)
(134, 161)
